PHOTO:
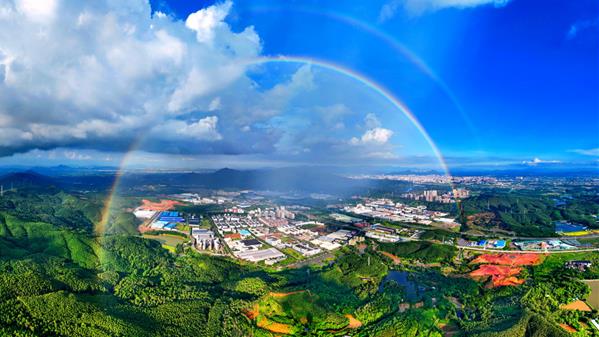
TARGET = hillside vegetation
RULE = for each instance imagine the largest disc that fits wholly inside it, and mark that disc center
(57, 278)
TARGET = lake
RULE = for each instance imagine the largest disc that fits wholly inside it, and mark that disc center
(402, 278)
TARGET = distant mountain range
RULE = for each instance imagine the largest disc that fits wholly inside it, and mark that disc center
(291, 179)
(285, 180)
(280, 179)
(506, 170)
(27, 180)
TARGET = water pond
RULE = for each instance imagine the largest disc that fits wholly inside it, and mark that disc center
(402, 278)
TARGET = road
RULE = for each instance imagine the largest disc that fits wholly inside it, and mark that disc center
(313, 260)
(528, 251)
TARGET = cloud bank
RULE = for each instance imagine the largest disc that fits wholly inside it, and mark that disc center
(88, 81)
(537, 161)
(98, 74)
(418, 7)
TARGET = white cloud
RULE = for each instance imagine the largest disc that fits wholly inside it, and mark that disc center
(537, 161)
(418, 7)
(74, 155)
(40, 11)
(204, 129)
(215, 104)
(376, 136)
(588, 152)
(108, 70)
(374, 142)
(103, 75)
(205, 21)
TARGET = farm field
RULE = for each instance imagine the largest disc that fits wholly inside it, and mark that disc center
(593, 299)
(166, 239)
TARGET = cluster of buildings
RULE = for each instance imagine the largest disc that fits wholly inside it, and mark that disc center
(437, 196)
(264, 234)
(214, 197)
(580, 265)
(298, 230)
(253, 250)
(235, 210)
(144, 213)
(430, 178)
(167, 220)
(334, 240)
(389, 234)
(273, 217)
(270, 256)
(544, 245)
(386, 209)
(524, 245)
(382, 233)
(204, 239)
(196, 199)
(297, 245)
(233, 223)
(484, 243)
(345, 218)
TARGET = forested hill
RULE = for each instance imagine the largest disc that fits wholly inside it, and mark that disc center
(527, 215)
(27, 180)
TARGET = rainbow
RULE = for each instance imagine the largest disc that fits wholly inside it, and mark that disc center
(366, 82)
(389, 41)
(101, 227)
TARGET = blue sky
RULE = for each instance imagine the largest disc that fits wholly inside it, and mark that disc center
(529, 85)
(492, 82)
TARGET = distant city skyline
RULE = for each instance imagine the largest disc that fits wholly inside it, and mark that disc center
(245, 84)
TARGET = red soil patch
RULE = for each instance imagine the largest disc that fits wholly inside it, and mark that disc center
(271, 326)
(500, 275)
(567, 328)
(233, 236)
(502, 268)
(508, 281)
(577, 305)
(396, 260)
(163, 205)
(254, 312)
(353, 322)
(508, 259)
(142, 228)
(277, 328)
